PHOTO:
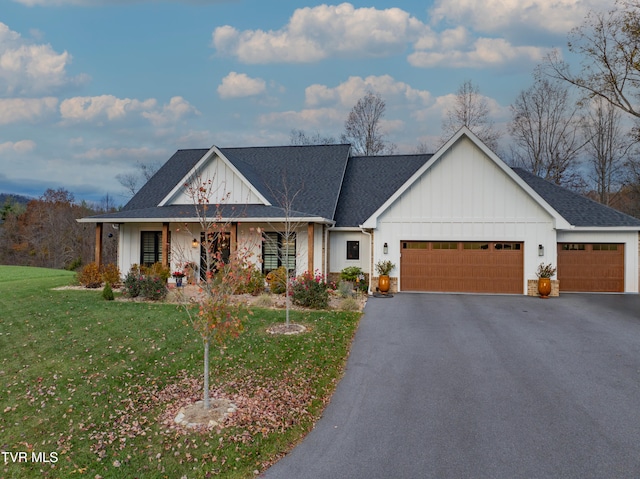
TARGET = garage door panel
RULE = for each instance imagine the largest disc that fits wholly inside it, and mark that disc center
(591, 267)
(470, 267)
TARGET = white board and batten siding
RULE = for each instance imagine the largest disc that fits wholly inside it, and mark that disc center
(466, 196)
(227, 188)
(338, 251)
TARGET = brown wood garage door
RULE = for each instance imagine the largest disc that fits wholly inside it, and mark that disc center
(469, 267)
(591, 267)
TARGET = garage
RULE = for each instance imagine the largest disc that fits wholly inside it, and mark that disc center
(465, 267)
(591, 267)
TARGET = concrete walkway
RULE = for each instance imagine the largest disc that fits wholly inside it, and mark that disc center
(478, 386)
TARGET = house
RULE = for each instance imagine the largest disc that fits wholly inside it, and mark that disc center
(459, 220)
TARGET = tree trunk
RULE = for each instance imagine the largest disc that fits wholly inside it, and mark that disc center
(206, 374)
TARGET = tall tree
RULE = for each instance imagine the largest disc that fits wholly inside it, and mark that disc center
(362, 127)
(545, 129)
(132, 181)
(606, 148)
(470, 109)
(609, 45)
(300, 137)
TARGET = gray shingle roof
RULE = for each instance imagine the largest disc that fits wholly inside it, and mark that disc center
(576, 209)
(369, 181)
(329, 184)
(165, 179)
(312, 174)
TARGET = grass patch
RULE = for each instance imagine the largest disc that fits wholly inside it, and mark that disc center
(93, 385)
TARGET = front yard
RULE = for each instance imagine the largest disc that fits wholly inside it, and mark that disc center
(91, 387)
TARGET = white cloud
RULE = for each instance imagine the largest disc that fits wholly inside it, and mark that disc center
(84, 108)
(121, 153)
(20, 147)
(177, 109)
(482, 53)
(514, 16)
(315, 33)
(348, 92)
(27, 69)
(14, 110)
(328, 107)
(307, 118)
(238, 85)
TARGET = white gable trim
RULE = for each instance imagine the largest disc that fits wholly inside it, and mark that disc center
(560, 222)
(213, 152)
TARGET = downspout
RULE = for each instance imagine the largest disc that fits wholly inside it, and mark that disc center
(326, 251)
(370, 259)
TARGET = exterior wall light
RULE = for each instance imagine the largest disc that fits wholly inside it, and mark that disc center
(385, 248)
(194, 243)
(540, 250)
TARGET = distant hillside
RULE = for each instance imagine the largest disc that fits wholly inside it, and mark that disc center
(14, 198)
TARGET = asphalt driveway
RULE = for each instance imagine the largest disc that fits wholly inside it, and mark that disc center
(478, 386)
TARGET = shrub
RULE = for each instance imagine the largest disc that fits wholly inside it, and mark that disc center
(350, 273)
(157, 270)
(111, 275)
(349, 304)
(107, 292)
(252, 282)
(310, 291)
(90, 276)
(345, 289)
(153, 288)
(354, 275)
(132, 282)
(277, 280)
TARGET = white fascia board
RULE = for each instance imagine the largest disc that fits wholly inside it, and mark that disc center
(600, 229)
(345, 228)
(213, 151)
(310, 219)
(560, 222)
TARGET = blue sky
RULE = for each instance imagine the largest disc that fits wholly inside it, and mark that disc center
(88, 88)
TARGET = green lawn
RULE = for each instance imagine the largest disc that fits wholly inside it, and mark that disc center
(92, 386)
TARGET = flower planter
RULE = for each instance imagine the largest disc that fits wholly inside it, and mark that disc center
(544, 287)
(383, 283)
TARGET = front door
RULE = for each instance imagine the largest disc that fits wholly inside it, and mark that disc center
(219, 245)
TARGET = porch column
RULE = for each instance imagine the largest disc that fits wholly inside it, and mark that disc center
(165, 244)
(233, 238)
(310, 242)
(98, 251)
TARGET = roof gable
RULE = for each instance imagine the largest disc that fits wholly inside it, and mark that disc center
(440, 155)
(310, 175)
(225, 183)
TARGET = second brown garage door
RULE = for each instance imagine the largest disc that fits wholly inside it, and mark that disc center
(466, 267)
(591, 267)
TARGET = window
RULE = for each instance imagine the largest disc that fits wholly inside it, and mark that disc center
(573, 247)
(277, 250)
(483, 246)
(506, 246)
(150, 247)
(444, 245)
(353, 249)
(415, 245)
(605, 247)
